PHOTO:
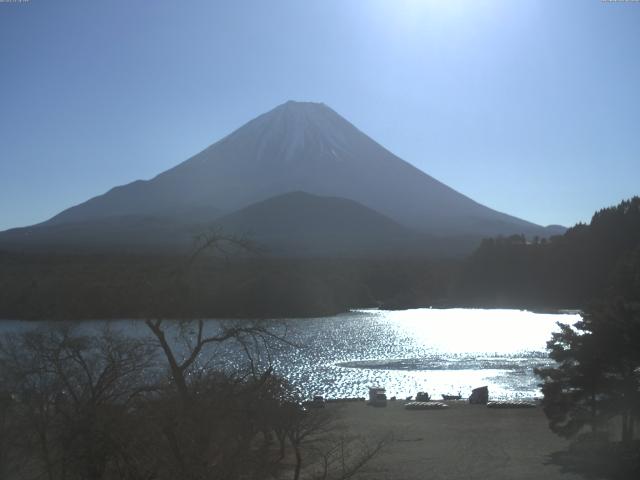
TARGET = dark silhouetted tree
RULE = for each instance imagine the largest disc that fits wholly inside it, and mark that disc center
(597, 376)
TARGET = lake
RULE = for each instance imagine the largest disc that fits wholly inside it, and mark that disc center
(439, 351)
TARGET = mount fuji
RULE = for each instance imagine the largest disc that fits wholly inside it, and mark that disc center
(296, 147)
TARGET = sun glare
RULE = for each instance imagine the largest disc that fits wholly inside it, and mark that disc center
(416, 17)
(435, 7)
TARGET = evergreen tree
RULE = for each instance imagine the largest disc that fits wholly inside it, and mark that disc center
(572, 389)
(597, 376)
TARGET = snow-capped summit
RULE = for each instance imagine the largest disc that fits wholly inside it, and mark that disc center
(293, 126)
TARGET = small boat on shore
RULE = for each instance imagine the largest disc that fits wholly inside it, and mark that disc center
(423, 397)
(451, 397)
(511, 404)
(377, 397)
(425, 406)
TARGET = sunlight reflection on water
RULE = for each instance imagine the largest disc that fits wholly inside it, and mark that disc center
(446, 351)
(439, 351)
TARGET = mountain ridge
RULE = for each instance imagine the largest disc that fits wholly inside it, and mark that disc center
(304, 147)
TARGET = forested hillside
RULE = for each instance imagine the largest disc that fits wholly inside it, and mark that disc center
(586, 263)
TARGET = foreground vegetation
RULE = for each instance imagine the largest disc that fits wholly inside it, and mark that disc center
(592, 393)
(105, 406)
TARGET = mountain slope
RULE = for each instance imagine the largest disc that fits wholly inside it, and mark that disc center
(302, 147)
(298, 223)
(292, 224)
(123, 233)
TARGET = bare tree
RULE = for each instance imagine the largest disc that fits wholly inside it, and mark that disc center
(345, 457)
(321, 448)
(72, 393)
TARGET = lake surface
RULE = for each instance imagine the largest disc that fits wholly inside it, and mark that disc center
(438, 351)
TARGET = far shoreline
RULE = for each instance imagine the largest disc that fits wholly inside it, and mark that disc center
(308, 316)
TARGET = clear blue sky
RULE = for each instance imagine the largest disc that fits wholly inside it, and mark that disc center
(530, 107)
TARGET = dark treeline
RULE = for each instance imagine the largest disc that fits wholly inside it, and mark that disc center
(569, 271)
(40, 286)
(586, 263)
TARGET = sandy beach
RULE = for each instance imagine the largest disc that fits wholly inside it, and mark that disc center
(462, 442)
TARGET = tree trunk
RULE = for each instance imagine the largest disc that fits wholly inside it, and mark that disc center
(626, 427)
(176, 372)
(296, 474)
(282, 441)
(594, 426)
(45, 453)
